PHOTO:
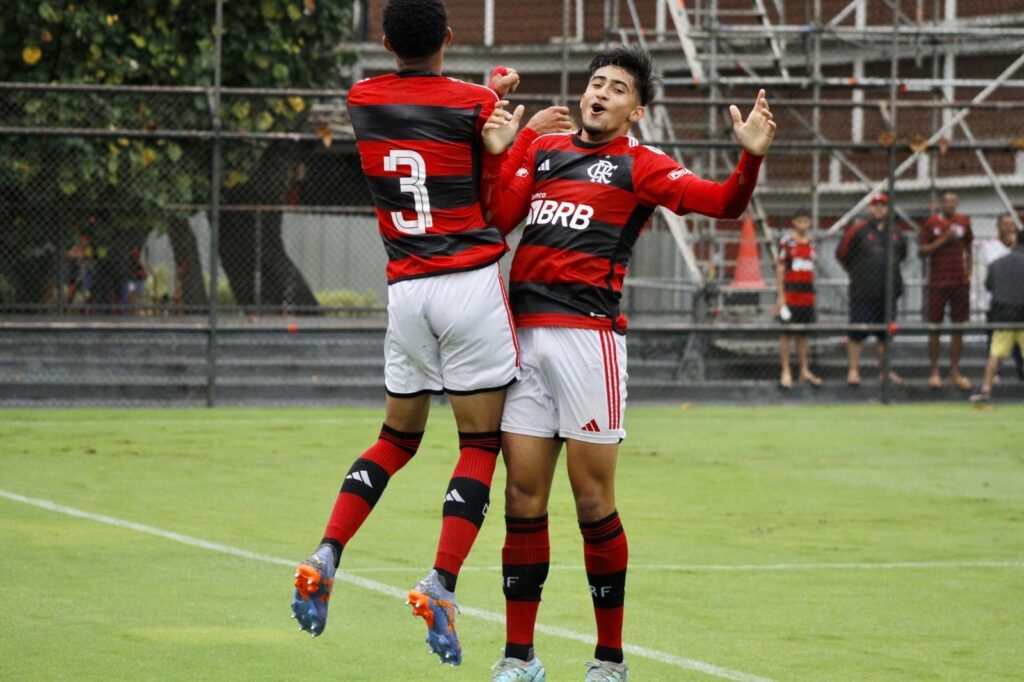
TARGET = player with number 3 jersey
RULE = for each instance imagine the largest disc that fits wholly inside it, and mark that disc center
(449, 324)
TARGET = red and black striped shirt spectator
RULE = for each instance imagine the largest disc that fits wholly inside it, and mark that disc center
(798, 258)
(419, 142)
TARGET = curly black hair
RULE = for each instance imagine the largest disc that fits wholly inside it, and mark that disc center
(415, 28)
(632, 59)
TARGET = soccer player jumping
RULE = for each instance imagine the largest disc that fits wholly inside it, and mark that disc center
(585, 198)
(449, 325)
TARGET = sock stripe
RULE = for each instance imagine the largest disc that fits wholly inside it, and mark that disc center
(407, 442)
(526, 526)
(597, 532)
(489, 441)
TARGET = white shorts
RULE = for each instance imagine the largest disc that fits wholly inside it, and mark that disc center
(450, 333)
(573, 385)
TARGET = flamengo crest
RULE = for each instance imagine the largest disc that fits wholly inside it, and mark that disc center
(602, 172)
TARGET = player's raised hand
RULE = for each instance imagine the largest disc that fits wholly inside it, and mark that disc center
(501, 127)
(757, 132)
(551, 120)
(504, 80)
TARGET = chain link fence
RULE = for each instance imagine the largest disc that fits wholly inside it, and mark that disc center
(108, 208)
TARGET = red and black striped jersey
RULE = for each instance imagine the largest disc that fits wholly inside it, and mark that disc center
(419, 142)
(798, 258)
(585, 205)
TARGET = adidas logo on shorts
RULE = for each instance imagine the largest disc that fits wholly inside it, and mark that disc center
(591, 426)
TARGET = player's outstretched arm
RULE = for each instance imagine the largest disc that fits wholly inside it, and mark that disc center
(758, 131)
(500, 128)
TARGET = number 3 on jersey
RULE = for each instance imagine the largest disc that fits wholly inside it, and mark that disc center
(415, 184)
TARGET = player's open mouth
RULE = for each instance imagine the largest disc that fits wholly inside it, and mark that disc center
(596, 109)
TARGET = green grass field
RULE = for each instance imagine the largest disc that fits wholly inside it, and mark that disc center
(791, 543)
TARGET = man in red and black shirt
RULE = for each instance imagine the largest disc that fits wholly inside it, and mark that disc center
(585, 197)
(945, 243)
(794, 280)
(862, 253)
(449, 325)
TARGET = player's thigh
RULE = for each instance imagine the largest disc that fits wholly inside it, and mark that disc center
(530, 407)
(412, 360)
(592, 477)
(530, 464)
(588, 376)
(407, 414)
(479, 411)
(478, 346)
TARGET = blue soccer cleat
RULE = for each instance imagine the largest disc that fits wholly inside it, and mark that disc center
(436, 605)
(314, 579)
(515, 670)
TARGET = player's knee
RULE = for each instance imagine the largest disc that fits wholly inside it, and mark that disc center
(524, 501)
(593, 504)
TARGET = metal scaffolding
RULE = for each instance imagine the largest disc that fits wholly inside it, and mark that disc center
(843, 61)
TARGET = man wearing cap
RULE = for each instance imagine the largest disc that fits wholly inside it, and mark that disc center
(861, 252)
(945, 244)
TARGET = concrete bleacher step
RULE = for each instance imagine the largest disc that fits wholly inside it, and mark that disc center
(320, 366)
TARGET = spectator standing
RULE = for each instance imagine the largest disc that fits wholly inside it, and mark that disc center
(992, 250)
(134, 285)
(1006, 282)
(945, 242)
(794, 278)
(862, 253)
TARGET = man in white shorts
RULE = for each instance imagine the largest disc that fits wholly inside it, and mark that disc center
(585, 198)
(449, 325)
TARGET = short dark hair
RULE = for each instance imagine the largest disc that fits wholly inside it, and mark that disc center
(633, 59)
(415, 28)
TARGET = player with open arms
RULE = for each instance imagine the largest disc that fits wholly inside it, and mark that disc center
(449, 325)
(585, 198)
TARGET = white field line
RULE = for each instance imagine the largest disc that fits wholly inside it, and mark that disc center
(652, 654)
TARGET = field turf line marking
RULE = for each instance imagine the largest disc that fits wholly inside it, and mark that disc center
(644, 652)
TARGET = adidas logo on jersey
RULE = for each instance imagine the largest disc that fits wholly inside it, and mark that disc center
(565, 213)
(453, 496)
(591, 426)
(546, 166)
(360, 476)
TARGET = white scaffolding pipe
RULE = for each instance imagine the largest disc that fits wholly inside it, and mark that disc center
(960, 115)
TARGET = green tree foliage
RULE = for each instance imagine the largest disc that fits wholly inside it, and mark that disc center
(266, 44)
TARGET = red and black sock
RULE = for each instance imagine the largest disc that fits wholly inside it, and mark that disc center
(365, 482)
(605, 555)
(524, 568)
(466, 502)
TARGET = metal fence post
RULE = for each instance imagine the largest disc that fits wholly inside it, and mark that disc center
(215, 179)
(890, 217)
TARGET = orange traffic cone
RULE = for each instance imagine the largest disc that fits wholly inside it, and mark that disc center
(748, 260)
